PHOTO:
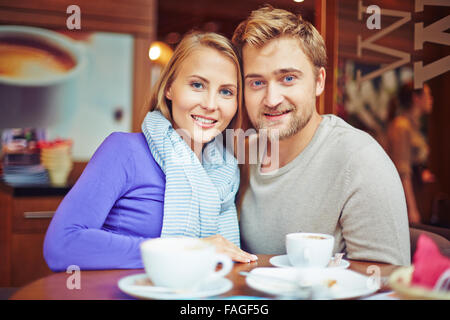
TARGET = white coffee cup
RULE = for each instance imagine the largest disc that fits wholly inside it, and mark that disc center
(309, 250)
(182, 263)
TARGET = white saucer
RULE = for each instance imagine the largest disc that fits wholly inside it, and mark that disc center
(346, 283)
(283, 262)
(129, 286)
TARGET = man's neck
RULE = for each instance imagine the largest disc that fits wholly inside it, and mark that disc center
(291, 147)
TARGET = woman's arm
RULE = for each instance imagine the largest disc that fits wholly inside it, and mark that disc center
(75, 235)
(401, 156)
(413, 211)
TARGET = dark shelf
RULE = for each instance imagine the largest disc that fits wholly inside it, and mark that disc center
(35, 190)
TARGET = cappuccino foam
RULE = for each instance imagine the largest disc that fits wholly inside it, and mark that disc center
(32, 59)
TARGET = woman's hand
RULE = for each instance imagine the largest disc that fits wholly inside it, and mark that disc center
(230, 249)
(414, 216)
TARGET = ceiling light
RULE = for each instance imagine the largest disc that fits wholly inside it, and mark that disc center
(160, 52)
(154, 52)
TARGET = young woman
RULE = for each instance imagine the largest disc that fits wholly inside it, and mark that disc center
(173, 179)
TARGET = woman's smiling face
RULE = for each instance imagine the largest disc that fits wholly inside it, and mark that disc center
(204, 94)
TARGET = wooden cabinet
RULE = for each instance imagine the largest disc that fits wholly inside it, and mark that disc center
(25, 214)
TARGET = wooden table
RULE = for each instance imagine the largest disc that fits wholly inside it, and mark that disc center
(102, 284)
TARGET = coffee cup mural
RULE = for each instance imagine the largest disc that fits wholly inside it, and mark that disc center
(39, 73)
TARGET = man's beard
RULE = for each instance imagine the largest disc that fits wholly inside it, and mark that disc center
(296, 123)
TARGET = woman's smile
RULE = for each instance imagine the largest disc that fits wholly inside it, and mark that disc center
(203, 121)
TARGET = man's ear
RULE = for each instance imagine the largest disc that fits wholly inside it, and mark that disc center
(320, 81)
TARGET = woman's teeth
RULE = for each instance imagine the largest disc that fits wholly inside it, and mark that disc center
(203, 120)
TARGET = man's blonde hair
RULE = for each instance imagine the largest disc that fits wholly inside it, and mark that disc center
(191, 42)
(268, 23)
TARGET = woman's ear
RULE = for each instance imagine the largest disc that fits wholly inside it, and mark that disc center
(168, 93)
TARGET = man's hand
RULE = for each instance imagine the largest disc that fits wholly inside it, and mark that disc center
(226, 247)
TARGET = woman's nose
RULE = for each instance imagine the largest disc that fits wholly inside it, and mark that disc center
(210, 102)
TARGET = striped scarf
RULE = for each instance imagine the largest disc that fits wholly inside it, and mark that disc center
(199, 197)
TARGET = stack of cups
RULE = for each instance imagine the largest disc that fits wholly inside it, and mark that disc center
(57, 159)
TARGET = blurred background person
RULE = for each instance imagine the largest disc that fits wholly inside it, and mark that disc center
(407, 145)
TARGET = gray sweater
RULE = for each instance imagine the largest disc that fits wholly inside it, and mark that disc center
(342, 184)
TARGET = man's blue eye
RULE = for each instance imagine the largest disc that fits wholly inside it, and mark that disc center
(257, 83)
(289, 78)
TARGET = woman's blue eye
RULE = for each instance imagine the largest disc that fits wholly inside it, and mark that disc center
(226, 92)
(197, 85)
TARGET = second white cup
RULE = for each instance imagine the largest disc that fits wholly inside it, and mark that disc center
(309, 250)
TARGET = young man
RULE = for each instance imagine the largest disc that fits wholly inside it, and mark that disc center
(332, 178)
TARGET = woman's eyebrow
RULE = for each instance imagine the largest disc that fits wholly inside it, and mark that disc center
(200, 77)
(207, 81)
(229, 85)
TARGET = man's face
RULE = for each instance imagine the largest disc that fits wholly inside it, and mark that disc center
(280, 86)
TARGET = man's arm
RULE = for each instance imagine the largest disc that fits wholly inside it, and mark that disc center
(374, 218)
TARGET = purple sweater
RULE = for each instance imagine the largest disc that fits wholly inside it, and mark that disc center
(116, 203)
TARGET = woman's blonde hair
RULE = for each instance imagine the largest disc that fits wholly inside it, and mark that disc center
(190, 42)
(268, 23)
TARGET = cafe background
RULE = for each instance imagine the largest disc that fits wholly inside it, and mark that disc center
(118, 67)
